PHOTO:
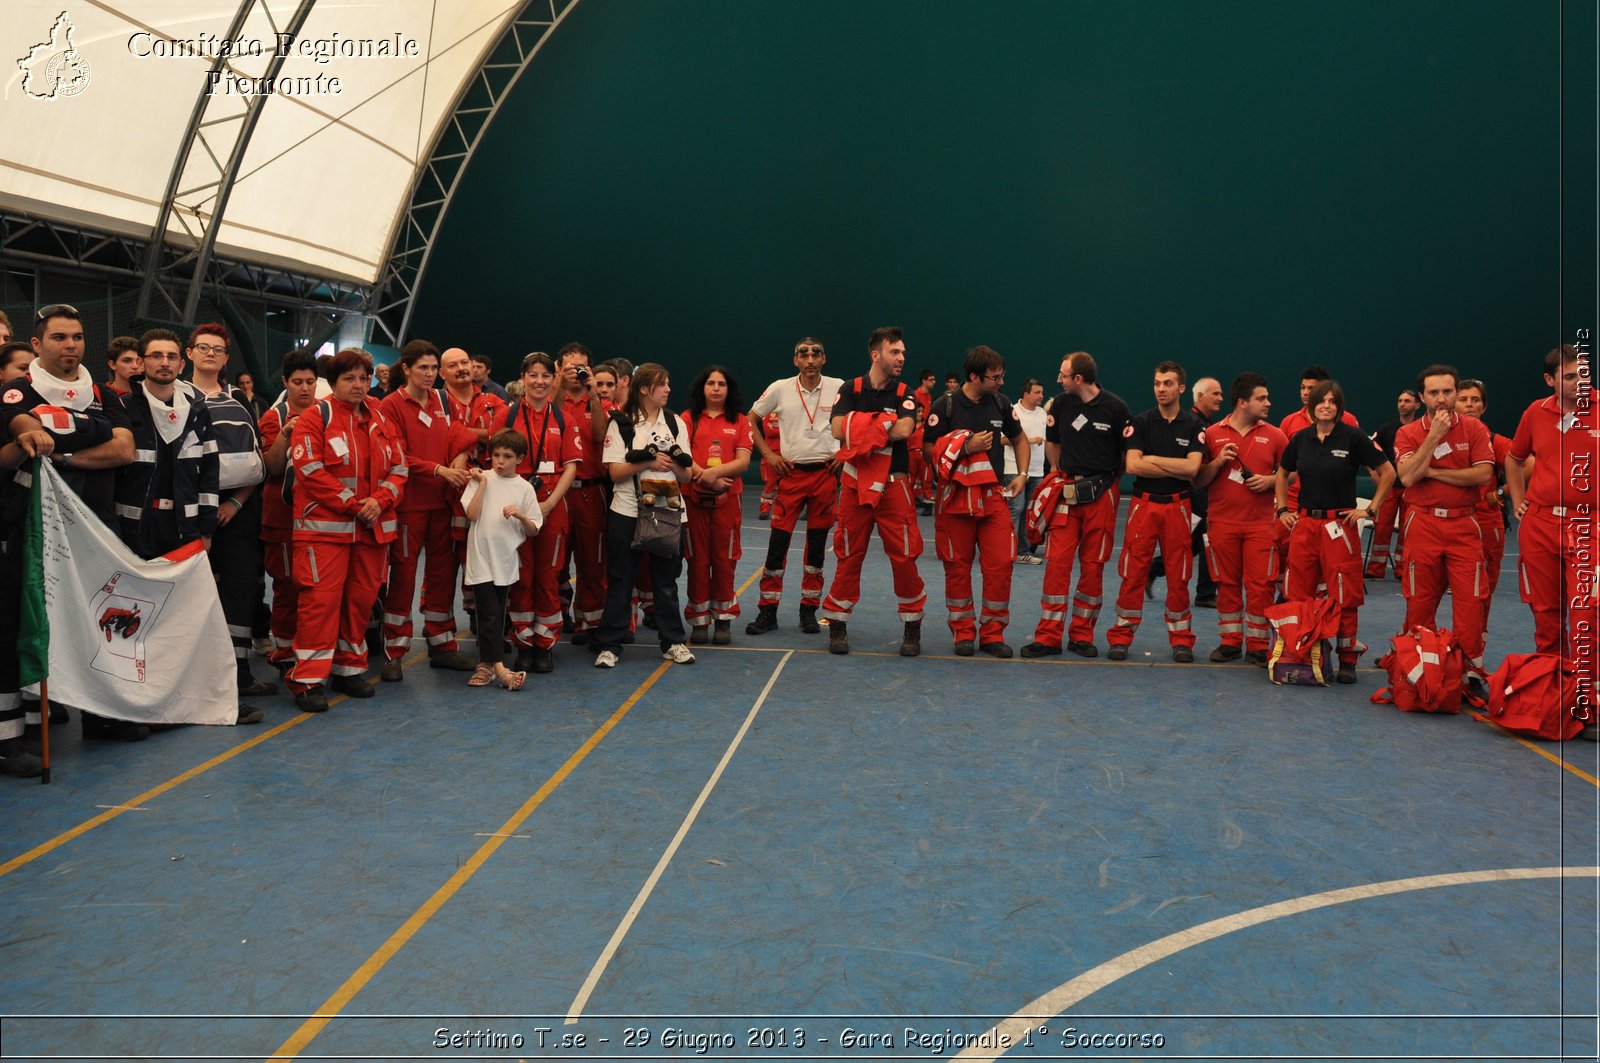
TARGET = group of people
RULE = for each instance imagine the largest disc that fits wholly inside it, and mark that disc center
(571, 502)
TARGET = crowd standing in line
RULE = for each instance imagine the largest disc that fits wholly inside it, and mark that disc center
(572, 501)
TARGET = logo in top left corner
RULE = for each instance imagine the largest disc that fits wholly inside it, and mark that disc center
(54, 68)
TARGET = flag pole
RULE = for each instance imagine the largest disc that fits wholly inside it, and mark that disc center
(44, 729)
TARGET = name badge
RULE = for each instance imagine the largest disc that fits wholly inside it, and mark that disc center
(1442, 450)
(422, 415)
(1567, 422)
(545, 468)
(1078, 422)
(339, 447)
(1335, 530)
(1237, 476)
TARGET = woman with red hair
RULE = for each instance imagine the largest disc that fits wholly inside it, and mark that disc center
(349, 472)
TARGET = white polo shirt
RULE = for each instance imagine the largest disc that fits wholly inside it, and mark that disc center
(804, 417)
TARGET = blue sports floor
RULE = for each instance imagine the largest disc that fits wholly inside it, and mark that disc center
(776, 853)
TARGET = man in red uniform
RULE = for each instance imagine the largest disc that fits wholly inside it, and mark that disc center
(772, 436)
(1559, 508)
(1242, 537)
(807, 475)
(299, 374)
(555, 446)
(432, 441)
(976, 517)
(586, 502)
(1085, 436)
(1471, 401)
(1446, 460)
(1165, 445)
(876, 493)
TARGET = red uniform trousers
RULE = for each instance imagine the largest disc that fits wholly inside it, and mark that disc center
(994, 536)
(586, 535)
(1384, 522)
(279, 560)
(533, 607)
(1323, 565)
(919, 471)
(1088, 534)
(1244, 563)
(1150, 523)
(1441, 552)
(711, 553)
(421, 530)
(769, 486)
(815, 494)
(1558, 575)
(338, 585)
(895, 517)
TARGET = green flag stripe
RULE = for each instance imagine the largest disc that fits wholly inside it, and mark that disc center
(33, 647)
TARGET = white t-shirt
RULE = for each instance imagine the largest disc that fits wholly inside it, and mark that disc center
(658, 432)
(1033, 422)
(805, 418)
(494, 538)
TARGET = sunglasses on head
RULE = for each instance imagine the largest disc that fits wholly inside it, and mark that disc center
(808, 350)
(58, 310)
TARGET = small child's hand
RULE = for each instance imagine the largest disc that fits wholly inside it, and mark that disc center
(476, 473)
(512, 513)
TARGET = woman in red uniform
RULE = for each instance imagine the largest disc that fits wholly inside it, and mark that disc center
(299, 373)
(720, 440)
(349, 472)
(1324, 543)
(551, 464)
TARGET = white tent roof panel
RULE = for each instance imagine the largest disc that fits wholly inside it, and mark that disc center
(91, 138)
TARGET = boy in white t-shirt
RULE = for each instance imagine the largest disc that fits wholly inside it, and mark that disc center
(504, 510)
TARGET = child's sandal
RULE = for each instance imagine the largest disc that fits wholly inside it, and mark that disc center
(482, 676)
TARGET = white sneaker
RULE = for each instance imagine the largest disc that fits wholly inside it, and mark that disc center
(1029, 559)
(606, 659)
(677, 653)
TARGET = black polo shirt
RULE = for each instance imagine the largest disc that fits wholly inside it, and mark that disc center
(1092, 435)
(1384, 437)
(991, 413)
(1328, 467)
(859, 396)
(1155, 437)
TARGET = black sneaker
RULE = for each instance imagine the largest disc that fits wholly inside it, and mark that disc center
(313, 700)
(1183, 654)
(808, 620)
(248, 714)
(721, 634)
(1083, 649)
(257, 688)
(18, 762)
(1347, 673)
(1117, 653)
(966, 648)
(911, 641)
(767, 620)
(1040, 649)
(838, 637)
(996, 649)
(544, 662)
(352, 686)
(1256, 657)
(112, 730)
(1226, 653)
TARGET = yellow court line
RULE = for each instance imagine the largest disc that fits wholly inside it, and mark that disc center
(342, 996)
(177, 780)
(1547, 755)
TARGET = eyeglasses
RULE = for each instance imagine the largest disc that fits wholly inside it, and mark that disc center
(996, 377)
(58, 310)
(210, 348)
(163, 356)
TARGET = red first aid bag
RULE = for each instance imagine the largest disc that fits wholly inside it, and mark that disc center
(1539, 695)
(1425, 669)
(1302, 653)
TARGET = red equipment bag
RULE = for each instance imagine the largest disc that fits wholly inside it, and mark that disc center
(1539, 695)
(1425, 668)
(1302, 653)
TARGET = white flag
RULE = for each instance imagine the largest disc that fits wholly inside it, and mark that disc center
(130, 639)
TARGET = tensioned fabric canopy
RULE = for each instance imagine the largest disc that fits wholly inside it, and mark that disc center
(96, 95)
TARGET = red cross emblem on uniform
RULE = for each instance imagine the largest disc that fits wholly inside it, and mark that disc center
(172, 416)
(71, 393)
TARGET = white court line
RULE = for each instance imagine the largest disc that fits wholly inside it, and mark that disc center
(575, 1012)
(1064, 996)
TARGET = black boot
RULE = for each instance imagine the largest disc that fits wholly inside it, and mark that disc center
(18, 762)
(352, 686)
(911, 643)
(808, 620)
(112, 730)
(766, 620)
(542, 662)
(838, 637)
(720, 633)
